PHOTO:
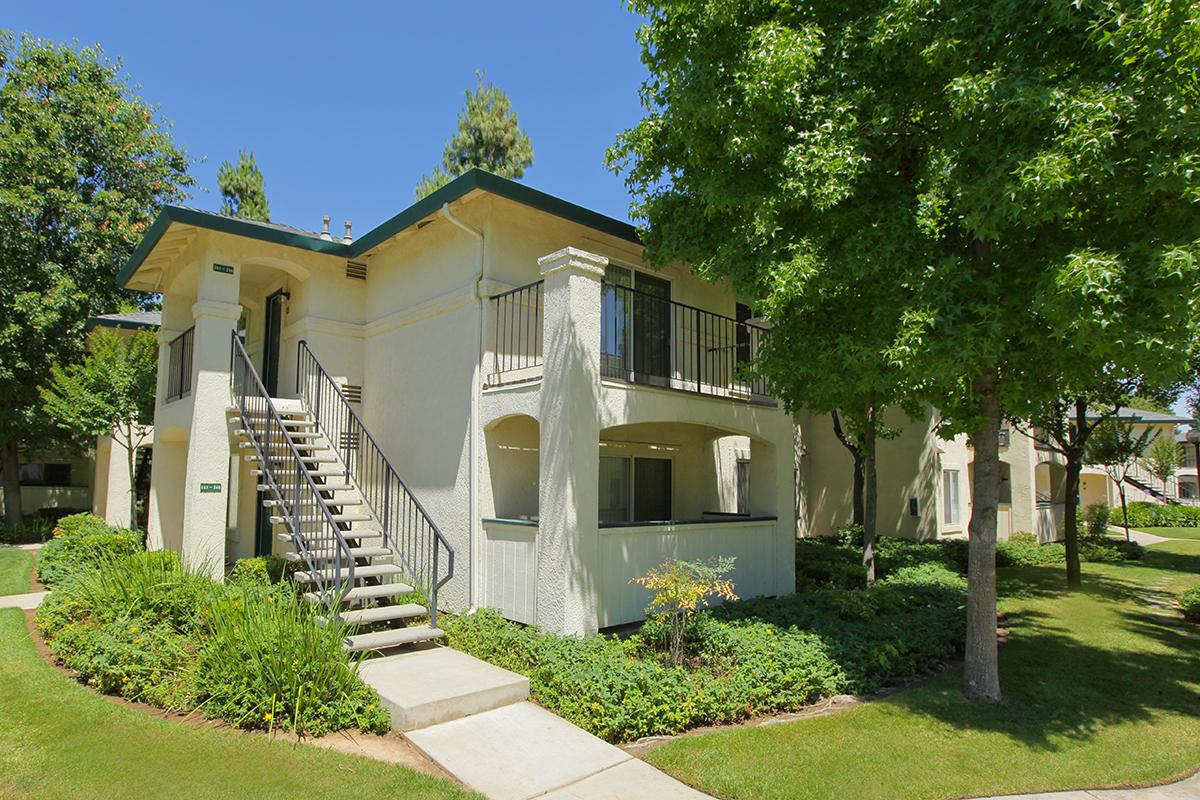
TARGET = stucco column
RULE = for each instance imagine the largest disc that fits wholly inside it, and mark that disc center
(206, 490)
(569, 425)
(772, 493)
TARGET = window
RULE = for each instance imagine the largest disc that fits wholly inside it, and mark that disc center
(45, 474)
(634, 489)
(636, 326)
(951, 511)
(742, 476)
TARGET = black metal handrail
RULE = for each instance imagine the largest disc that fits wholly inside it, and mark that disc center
(517, 334)
(407, 527)
(660, 342)
(298, 498)
(179, 365)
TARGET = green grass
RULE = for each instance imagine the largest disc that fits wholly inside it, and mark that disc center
(15, 568)
(1098, 692)
(1173, 533)
(59, 740)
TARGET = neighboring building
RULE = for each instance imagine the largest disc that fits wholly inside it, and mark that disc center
(925, 481)
(563, 418)
(58, 481)
(110, 482)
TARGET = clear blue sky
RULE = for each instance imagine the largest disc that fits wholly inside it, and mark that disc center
(345, 108)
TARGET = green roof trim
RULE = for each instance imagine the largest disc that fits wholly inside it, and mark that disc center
(502, 187)
(467, 182)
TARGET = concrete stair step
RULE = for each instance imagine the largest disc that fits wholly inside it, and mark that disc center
(371, 571)
(375, 614)
(382, 640)
(282, 446)
(358, 534)
(358, 593)
(355, 552)
(293, 435)
(332, 501)
(437, 684)
(281, 458)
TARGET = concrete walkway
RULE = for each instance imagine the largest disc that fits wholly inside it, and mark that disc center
(1141, 538)
(472, 718)
(28, 601)
(1186, 789)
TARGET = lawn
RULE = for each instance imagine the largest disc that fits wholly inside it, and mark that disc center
(59, 740)
(15, 568)
(1098, 692)
(1173, 533)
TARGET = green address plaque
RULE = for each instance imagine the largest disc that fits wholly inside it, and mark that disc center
(210, 488)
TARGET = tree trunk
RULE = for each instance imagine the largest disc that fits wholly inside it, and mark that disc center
(1124, 509)
(857, 455)
(10, 466)
(131, 461)
(871, 491)
(1071, 521)
(981, 673)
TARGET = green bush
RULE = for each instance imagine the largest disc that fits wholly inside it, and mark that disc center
(34, 529)
(262, 570)
(247, 652)
(752, 657)
(82, 541)
(1189, 603)
(1144, 514)
(1023, 550)
(1096, 518)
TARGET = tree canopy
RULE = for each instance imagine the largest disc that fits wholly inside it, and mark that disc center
(84, 165)
(488, 137)
(243, 191)
(1025, 172)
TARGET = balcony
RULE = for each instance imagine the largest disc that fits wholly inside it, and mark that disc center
(644, 339)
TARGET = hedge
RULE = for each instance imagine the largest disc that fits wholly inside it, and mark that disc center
(1144, 514)
(1189, 603)
(82, 541)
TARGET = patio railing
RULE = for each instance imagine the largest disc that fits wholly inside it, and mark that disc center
(179, 369)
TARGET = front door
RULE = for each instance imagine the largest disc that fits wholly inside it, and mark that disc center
(273, 326)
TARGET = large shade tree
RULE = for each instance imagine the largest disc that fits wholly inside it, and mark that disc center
(1015, 156)
(84, 165)
(243, 190)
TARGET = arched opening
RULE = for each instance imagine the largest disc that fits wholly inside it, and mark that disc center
(1049, 484)
(513, 468)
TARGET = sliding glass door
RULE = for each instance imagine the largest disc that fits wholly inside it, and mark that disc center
(636, 326)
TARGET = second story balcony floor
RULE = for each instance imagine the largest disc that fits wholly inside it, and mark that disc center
(646, 338)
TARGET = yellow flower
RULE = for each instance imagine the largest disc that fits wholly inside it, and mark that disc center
(267, 717)
(133, 628)
(371, 707)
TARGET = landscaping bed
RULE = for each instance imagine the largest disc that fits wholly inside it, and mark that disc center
(249, 651)
(742, 659)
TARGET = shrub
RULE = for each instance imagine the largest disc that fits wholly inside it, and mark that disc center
(81, 542)
(264, 661)
(744, 658)
(1144, 514)
(1023, 550)
(1096, 518)
(34, 529)
(248, 652)
(820, 564)
(680, 587)
(1189, 603)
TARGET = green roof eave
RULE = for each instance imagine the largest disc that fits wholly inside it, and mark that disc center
(503, 187)
(459, 187)
(222, 224)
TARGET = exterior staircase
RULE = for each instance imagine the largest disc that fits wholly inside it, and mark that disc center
(362, 560)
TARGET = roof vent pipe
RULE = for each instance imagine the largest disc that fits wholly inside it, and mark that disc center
(325, 229)
(347, 239)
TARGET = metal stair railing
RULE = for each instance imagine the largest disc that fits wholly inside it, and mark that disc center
(306, 507)
(408, 529)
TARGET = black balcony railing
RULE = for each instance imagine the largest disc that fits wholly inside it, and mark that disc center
(179, 369)
(656, 341)
(517, 351)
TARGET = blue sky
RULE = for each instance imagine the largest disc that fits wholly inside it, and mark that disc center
(346, 108)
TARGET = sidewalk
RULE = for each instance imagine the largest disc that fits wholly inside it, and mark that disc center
(27, 601)
(1186, 789)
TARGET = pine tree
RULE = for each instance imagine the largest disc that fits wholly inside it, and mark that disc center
(488, 137)
(243, 189)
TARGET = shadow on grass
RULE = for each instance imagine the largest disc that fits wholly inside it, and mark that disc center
(1068, 672)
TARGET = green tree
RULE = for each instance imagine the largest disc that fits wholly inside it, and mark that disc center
(1025, 169)
(488, 137)
(84, 165)
(1116, 446)
(109, 392)
(1163, 458)
(243, 191)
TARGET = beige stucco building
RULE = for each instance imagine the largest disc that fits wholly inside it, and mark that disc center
(492, 383)
(925, 480)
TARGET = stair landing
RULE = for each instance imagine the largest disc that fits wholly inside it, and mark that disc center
(437, 684)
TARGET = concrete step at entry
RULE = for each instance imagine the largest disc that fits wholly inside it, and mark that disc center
(396, 637)
(376, 614)
(361, 593)
(372, 571)
(329, 555)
